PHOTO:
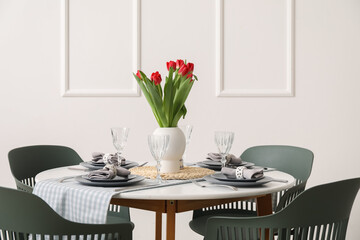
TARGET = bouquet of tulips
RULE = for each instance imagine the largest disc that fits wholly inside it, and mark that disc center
(168, 103)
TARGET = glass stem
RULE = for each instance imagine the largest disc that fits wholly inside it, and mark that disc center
(223, 160)
(158, 165)
(119, 159)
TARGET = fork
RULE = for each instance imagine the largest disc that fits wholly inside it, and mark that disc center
(217, 185)
(61, 180)
(140, 165)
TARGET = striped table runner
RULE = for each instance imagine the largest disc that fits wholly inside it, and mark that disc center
(76, 202)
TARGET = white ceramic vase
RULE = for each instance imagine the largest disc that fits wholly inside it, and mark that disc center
(170, 163)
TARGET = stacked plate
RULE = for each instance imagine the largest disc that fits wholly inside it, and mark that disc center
(219, 178)
(215, 165)
(94, 165)
(115, 182)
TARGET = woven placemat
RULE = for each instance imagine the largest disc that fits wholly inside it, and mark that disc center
(183, 174)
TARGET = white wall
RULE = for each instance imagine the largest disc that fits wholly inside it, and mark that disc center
(323, 115)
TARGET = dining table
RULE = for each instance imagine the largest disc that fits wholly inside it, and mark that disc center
(184, 196)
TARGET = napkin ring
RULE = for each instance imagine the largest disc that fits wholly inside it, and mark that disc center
(111, 167)
(239, 172)
(107, 158)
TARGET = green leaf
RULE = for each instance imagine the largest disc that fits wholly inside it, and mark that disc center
(177, 117)
(168, 96)
(159, 89)
(157, 101)
(180, 98)
(148, 97)
(144, 90)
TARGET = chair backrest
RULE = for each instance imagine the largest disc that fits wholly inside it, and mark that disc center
(295, 161)
(26, 162)
(23, 214)
(321, 212)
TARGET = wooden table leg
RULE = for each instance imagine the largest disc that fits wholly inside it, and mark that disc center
(264, 207)
(158, 225)
(170, 220)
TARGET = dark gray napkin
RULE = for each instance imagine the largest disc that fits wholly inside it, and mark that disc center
(246, 173)
(230, 158)
(98, 157)
(109, 172)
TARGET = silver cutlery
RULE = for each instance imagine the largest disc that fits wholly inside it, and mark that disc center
(123, 190)
(143, 164)
(216, 185)
(279, 180)
(78, 169)
(61, 180)
(268, 169)
(265, 169)
(150, 186)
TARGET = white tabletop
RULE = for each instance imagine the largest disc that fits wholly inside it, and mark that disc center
(188, 191)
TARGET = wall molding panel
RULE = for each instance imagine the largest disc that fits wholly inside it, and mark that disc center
(67, 90)
(223, 91)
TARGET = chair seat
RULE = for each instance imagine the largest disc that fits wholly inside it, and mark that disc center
(198, 224)
(115, 218)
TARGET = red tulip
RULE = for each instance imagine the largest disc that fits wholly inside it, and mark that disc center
(171, 64)
(156, 78)
(179, 63)
(190, 66)
(138, 74)
(189, 76)
(184, 70)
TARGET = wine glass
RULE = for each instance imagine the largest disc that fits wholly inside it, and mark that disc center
(187, 130)
(158, 145)
(119, 136)
(224, 142)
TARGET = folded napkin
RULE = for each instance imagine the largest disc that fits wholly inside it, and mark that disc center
(230, 158)
(242, 172)
(110, 171)
(99, 157)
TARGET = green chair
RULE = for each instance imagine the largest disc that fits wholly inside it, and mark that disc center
(292, 160)
(27, 162)
(24, 214)
(321, 212)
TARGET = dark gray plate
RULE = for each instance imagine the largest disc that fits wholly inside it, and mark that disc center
(215, 163)
(129, 164)
(216, 168)
(115, 179)
(266, 179)
(222, 177)
(96, 163)
(135, 180)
